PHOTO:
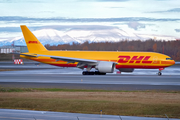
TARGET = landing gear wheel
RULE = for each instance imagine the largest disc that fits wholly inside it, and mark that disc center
(87, 73)
(92, 73)
(84, 73)
(159, 73)
(99, 73)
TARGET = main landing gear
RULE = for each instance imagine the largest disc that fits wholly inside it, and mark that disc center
(92, 73)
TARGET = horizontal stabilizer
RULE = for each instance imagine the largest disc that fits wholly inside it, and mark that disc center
(28, 55)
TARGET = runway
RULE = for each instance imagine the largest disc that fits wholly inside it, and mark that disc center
(10, 114)
(71, 78)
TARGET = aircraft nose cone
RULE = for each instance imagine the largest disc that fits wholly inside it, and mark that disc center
(169, 62)
(173, 62)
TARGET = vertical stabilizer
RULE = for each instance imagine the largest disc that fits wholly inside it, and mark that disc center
(32, 42)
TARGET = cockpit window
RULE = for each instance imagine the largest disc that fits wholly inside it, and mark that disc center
(168, 58)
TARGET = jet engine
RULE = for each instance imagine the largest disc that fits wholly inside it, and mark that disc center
(105, 67)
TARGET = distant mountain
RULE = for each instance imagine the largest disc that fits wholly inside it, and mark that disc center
(55, 37)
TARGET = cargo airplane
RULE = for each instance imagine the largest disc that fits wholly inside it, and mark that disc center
(103, 61)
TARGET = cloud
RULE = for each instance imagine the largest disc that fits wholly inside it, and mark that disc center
(177, 30)
(135, 25)
(21, 1)
(162, 0)
(170, 11)
(174, 10)
(112, 0)
(20, 19)
(57, 27)
(115, 7)
(10, 29)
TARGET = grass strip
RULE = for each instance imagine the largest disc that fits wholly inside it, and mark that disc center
(9, 89)
(7, 70)
(92, 107)
(153, 104)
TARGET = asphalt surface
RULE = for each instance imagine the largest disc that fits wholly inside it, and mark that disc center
(46, 76)
(8, 114)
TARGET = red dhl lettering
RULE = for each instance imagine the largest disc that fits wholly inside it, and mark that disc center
(134, 59)
(35, 42)
(145, 60)
(124, 59)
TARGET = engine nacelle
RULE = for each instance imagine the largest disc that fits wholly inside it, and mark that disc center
(126, 69)
(105, 67)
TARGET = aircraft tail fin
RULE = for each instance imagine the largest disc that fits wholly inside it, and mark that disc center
(32, 42)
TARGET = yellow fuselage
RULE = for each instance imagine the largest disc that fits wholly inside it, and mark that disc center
(147, 60)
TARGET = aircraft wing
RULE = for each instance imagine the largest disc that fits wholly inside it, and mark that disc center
(69, 59)
(81, 62)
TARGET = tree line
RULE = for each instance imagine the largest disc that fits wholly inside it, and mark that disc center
(170, 48)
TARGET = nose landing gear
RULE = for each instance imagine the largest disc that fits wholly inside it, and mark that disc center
(159, 73)
(160, 69)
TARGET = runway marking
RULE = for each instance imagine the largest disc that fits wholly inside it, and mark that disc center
(37, 114)
(17, 118)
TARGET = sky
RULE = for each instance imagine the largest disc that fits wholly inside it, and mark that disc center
(156, 17)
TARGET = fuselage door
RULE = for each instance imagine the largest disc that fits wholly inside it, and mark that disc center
(155, 60)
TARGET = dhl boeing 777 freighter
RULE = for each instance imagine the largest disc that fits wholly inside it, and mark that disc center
(103, 61)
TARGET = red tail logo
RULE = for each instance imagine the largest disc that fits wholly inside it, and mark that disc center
(134, 59)
(33, 42)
